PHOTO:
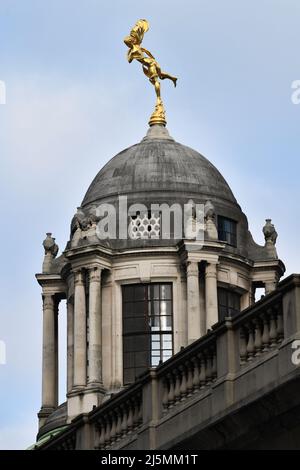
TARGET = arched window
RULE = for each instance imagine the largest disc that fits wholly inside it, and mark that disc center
(147, 327)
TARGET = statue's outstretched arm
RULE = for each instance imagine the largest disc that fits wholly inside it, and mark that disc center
(148, 53)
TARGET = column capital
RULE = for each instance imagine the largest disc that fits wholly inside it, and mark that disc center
(95, 274)
(192, 268)
(211, 269)
(78, 276)
(48, 301)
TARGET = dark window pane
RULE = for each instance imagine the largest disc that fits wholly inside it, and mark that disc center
(142, 359)
(227, 230)
(139, 371)
(134, 325)
(229, 303)
(129, 376)
(139, 308)
(155, 307)
(127, 294)
(140, 292)
(147, 313)
(155, 291)
(128, 359)
(128, 309)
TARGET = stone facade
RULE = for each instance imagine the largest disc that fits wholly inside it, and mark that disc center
(90, 272)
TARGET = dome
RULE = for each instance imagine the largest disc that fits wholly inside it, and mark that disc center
(159, 165)
(159, 171)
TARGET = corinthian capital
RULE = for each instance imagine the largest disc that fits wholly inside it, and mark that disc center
(192, 268)
(48, 301)
(95, 274)
(78, 277)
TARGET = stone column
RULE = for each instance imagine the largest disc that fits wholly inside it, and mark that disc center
(70, 344)
(211, 294)
(193, 301)
(95, 327)
(56, 305)
(49, 379)
(79, 330)
(202, 305)
(270, 286)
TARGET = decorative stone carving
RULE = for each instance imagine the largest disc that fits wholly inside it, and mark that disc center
(142, 226)
(83, 225)
(50, 246)
(190, 224)
(84, 221)
(270, 238)
(210, 221)
(51, 250)
(270, 232)
(79, 277)
(95, 274)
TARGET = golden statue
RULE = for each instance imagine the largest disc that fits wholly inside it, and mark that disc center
(151, 68)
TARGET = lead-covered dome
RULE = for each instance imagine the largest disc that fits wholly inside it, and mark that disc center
(156, 171)
(158, 164)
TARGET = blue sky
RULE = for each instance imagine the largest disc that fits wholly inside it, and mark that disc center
(73, 102)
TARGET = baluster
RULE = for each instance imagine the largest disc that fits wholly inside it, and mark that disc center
(258, 338)
(129, 417)
(189, 384)
(208, 367)
(119, 424)
(140, 405)
(124, 420)
(280, 332)
(273, 329)
(135, 419)
(177, 385)
(265, 336)
(213, 363)
(202, 370)
(102, 435)
(113, 427)
(107, 432)
(250, 344)
(196, 376)
(97, 435)
(165, 399)
(243, 345)
(183, 385)
(171, 395)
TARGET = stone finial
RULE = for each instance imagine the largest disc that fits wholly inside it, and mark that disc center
(51, 250)
(50, 246)
(270, 232)
(270, 238)
(210, 221)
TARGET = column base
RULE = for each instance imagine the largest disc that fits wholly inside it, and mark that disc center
(44, 413)
(84, 400)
